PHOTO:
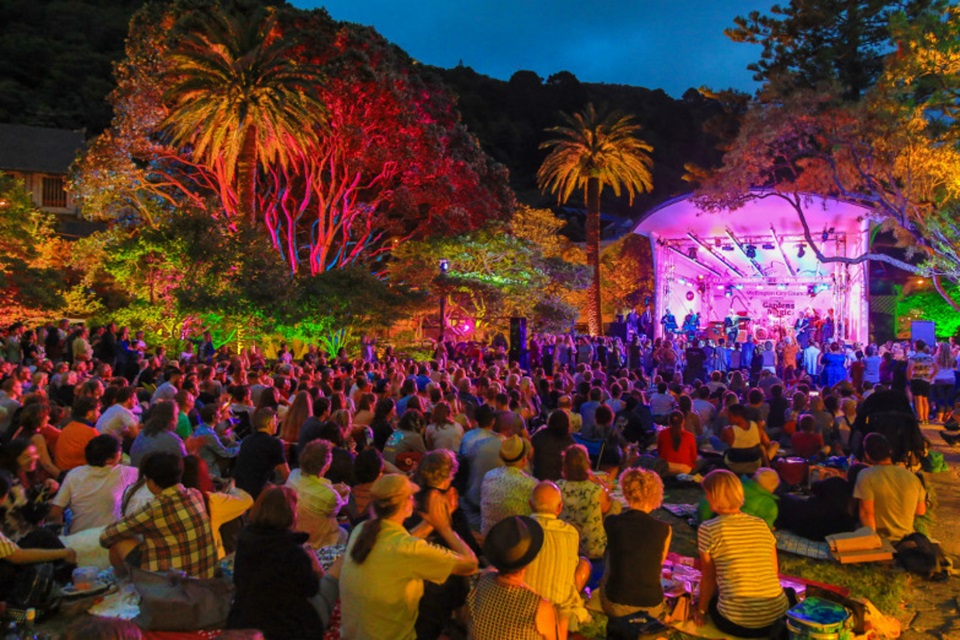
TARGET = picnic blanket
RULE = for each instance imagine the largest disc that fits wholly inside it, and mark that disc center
(681, 510)
(799, 546)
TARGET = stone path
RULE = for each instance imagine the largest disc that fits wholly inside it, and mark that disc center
(933, 608)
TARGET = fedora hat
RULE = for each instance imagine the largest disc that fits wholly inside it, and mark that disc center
(513, 543)
(513, 449)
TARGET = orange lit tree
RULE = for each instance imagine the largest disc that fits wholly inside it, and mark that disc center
(590, 152)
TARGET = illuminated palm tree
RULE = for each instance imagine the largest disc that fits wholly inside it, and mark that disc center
(240, 100)
(590, 152)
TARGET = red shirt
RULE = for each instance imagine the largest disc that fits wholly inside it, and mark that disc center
(686, 453)
(806, 444)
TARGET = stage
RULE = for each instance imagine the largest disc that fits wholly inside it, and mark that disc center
(754, 265)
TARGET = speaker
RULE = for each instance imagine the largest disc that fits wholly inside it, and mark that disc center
(518, 340)
(925, 330)
(617, 330)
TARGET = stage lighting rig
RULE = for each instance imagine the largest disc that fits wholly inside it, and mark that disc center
(801, 251)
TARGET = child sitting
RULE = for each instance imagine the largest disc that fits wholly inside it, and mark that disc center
(807, 442)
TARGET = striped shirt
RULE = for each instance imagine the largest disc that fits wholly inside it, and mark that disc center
(742, 548)
(552, 574)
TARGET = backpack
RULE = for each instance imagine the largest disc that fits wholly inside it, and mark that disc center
(917, 554)
(35, 588)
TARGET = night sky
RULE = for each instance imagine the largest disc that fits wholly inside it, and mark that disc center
(668, 44)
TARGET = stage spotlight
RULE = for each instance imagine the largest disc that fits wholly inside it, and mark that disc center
(719, 287)
(683, 281)
(738, 287)
(811, 290)
(727, 247)
(692, 253)
(769, 246)
(781, 287)
(751, 251)
(801, 251)
(728, 293)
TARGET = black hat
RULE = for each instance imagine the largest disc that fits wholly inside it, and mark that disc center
(513, 543)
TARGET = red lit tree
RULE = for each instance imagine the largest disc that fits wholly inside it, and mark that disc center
(391, 161)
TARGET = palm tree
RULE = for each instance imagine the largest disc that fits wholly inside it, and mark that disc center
(591, 152)
(240, 100)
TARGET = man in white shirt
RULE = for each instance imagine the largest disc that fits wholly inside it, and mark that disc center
(94, 491)
(811, 359)
(119, 420)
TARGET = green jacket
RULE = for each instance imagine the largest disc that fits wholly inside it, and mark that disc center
(757, 501)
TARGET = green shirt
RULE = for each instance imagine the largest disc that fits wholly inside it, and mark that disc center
(757, 501)
(184, 428)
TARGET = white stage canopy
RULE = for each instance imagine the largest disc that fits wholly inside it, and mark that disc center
(755, 262)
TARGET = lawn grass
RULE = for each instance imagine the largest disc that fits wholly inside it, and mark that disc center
(882, 584)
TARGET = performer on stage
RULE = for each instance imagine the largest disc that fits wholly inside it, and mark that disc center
(801, 329)
(731, 326)
(646, 322)
(691, 325)
(828, 329)
(633, 323)
(669, 323)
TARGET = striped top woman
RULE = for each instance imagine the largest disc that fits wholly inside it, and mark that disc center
(739, 587)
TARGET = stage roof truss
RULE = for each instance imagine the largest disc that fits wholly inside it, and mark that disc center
(715, 255)
(739, 245)
(783, 254)
(695, 261)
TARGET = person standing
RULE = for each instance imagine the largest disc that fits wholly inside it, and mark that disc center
(921, 370)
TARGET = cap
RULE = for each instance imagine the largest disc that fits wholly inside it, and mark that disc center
(393, 487)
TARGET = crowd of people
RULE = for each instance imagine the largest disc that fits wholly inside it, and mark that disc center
(547, 475)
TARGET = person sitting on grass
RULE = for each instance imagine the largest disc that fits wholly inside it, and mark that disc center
(637, 545)
(760, 499)
(806, 441)
(13, 557)
(750, 448)
(501, 603)
(890, 496)
(739, 586)
(677, 446)
(172, 532)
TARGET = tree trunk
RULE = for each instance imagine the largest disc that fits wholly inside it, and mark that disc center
(247, 177)
(594, 319)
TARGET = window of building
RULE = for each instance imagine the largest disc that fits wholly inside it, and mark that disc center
(54, 195)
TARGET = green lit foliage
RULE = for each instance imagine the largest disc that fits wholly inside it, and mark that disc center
(492, 276)
(31, 283)
(928, 304)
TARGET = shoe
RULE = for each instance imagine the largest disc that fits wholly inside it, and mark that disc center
(953, 439)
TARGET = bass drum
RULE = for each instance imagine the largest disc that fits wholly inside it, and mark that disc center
(760, 334)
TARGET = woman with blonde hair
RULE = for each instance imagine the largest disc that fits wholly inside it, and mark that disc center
(739, 586)
(300, 409)
(637, 545)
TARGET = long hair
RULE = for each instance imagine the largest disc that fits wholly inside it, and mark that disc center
(370, 530)
(676, 421)
(300, 410)
(163, 417)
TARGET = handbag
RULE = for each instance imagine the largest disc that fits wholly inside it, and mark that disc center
(171, 601)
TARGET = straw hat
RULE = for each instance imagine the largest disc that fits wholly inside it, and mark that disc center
(513, 449)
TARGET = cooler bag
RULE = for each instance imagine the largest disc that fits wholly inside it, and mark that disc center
(816, 619)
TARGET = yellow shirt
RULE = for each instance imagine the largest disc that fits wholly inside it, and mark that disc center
(380, 597)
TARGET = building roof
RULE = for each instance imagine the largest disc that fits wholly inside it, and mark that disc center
(38, 149)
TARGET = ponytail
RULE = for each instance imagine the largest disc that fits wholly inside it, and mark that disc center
(366, 538)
